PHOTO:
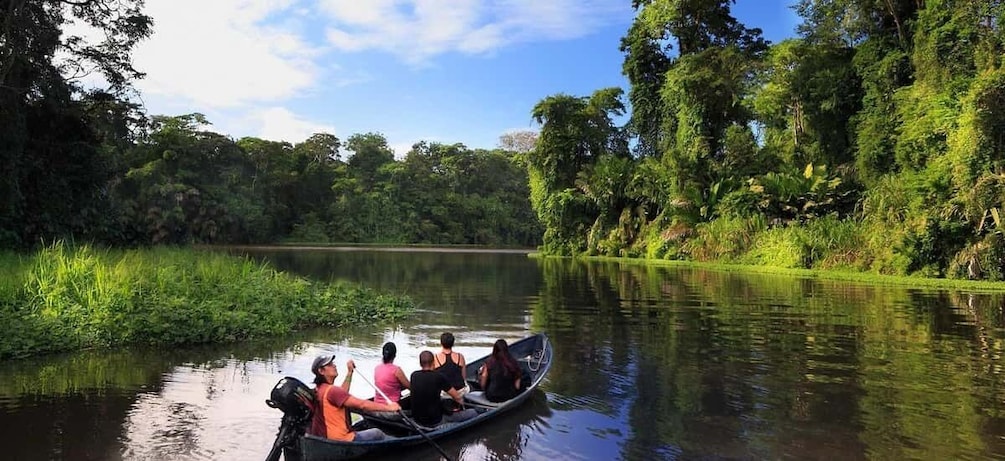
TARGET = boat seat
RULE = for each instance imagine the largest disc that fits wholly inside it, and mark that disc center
(478, 398)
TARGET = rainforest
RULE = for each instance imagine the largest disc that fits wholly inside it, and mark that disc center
(872, 142)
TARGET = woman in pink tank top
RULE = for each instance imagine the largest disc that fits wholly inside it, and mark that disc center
(388, 377)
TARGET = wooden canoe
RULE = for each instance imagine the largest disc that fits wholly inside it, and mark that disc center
(533, 353)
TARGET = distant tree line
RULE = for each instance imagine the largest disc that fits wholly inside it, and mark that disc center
(89, 165)
(874, 141)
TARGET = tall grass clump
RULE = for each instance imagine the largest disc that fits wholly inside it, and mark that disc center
(836, 244)
(822, 243)
(65, 298)
(779, 247)
(724, 239)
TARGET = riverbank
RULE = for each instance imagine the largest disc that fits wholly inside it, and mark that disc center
(415, 248)
(860, 277)
(65, 298)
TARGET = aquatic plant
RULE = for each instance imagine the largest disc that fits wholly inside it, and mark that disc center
(66, 298)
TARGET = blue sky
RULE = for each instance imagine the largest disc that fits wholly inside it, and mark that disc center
(438, 70)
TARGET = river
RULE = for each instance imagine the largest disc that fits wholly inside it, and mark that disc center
(650, 363)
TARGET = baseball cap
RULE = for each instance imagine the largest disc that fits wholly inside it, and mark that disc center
(321, 361)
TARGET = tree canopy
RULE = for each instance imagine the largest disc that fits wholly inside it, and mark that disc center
(871, 141)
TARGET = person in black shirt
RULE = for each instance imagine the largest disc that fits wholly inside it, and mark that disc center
(500, 376)
(451, 364)
(427, 384)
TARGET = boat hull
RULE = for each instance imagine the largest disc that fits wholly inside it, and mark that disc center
(534, 355)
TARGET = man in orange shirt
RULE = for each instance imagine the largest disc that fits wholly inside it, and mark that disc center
(331, 419)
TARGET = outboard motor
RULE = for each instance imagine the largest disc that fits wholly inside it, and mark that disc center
(296, 401)
(293, 398)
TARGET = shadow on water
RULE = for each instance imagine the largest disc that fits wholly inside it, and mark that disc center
(504, 438)
(104, 405)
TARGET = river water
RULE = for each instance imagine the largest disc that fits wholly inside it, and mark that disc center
(650, 363)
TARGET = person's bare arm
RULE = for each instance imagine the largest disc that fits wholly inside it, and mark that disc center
(369, 405)
(483, 379)
(402, 379)
(350, 368)
(456, 396)
(461, 363)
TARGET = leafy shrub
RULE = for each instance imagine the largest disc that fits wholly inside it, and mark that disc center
(929, 248)
(311, 229)
(982, 260)
(740, 203)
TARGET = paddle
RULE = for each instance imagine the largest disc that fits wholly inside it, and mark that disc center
(409, 421)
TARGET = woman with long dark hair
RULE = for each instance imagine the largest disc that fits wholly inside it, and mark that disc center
(390, 380)
(389, 377)
(500, 377)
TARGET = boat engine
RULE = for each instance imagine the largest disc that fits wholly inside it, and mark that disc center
(293, 398)
(296, 401)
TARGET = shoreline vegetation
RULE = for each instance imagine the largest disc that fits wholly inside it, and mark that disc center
(869, 278)
(870, 143)
(419, 247)
(65, 297)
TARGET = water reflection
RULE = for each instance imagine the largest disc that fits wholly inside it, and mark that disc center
(747, 366)
(650, 363)
(509, 437)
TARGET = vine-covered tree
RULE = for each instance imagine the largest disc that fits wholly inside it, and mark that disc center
(871, 141)
(576, 132)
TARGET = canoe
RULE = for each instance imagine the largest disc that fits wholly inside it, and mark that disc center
(533, 353)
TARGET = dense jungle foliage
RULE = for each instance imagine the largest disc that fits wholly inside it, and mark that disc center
(875, 141)
(89, 165)
(870, 142)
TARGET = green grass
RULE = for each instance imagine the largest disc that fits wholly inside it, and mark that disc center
(68, 298)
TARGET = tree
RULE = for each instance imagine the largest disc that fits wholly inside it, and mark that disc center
(521, 141)
(38, 103)
(807, 97)
(696, 25)
(274, 179)
(575, 133)
(362, 209)
(369, 152)
(881, 32)
(646, 64)
(703, 88)
(189, 185)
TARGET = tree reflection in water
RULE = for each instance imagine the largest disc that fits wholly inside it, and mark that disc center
(650, 363)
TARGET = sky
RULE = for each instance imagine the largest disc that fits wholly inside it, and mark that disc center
(444, 71)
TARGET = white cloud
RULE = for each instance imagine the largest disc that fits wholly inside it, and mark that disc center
(401, 149)
(249, 64)
(277, 124)
(416, 30)
(226, 53)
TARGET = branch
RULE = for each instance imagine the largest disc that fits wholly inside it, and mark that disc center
(896, 20)
(12, 12)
